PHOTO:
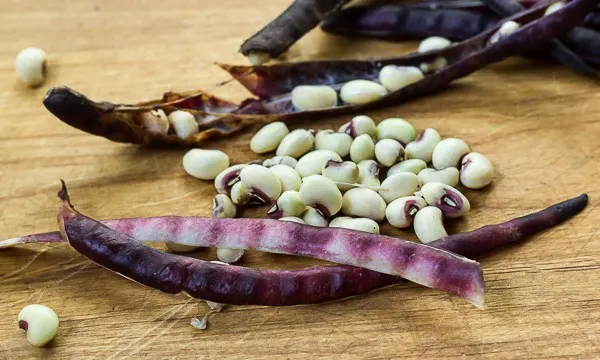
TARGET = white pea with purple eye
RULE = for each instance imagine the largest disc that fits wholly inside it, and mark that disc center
(476, 171)
(450, 201)
(401, 212)
(40, 322)
(428, 224)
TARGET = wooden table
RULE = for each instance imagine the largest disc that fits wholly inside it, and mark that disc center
(539, 125)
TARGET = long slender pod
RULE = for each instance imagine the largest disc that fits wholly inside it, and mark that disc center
(424, 265)
(274, 84)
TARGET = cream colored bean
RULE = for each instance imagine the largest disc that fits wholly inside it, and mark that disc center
(223, 207)
(313, 97)
(358, 224)
(448, 152)
(288, 204)
(433, 43)
(394, 77)
(451, 201)
(399, 185)
(280, 160)
(258, 58)
(292, 219)
(263, 184)
(554, 7)
(240, 193)
(229, 256)
(155, 121)
(359, 125)
(227, 178)
(388, 152)
(31, 66)
(448, 176)
(330, 140)
(476, 171)
(205, 164)
(345, 172)
(368, 173)
(397, 129)
(362, 148)
(505, 30)
(184, 123)
(423, 146)
(313, 162)
(428, 224)
(360, 202)
(268, 138)
(313, 217)
(434, 66)
(356, 92)
(401, 212)
(321, 193)
(296, 143)
(290, 180)
(410, 165)
(40, 322)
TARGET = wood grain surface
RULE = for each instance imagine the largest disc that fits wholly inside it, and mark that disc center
(539, 124)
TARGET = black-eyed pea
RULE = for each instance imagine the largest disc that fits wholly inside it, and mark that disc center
(447, 176)
(39, 322)
(342, 173)
(401, 212)
(155, 121)
(410, 165)
(396, 129)
(335, 141)
(394, 77)
(313, 97)
(313, 217)
(31, 66)
(388, 152)
(268, 137)
(399, 185)
(368, 173)
(229, 256)
(358, 224)
(292, 219)
(264, 185)
(288, 204)
(505, 30)
(258, 58)
(359, 125)
(223, 207)
(434, 43)
(184, 123)
(450, 201)
(448, 152)
(290, 180)
(296, 143)
(361, 202)
(357, 92)
(554, 7)
(313, 162)
(422, 147)
(321, 193)
(362, 148)
(428, 224)
(205, 164)
(476, 171)
(280, 160)
(227, 178)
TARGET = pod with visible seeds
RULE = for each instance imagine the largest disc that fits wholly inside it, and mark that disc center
(313, 217)
(361, 202)
(358, 224)
(40, 322)
(263, 184)
(388, 152)
(362, 148)
(280, 160)
(448, 176)
(290, 180)
(31, 66)
(368, 173)
(288, 204)
(396, 129)
(335, 141)
(155, 121)
(476, 171)
(434, 43)
(313, 97)
(448, 152)
(450, 201)
(394, 77)
(357, 92)
(345, 172)
(268, 137)
(505, 30)
(428, 224)
(422, 148)
(296, 143)
(399, 185)
(184, 123)
(313, 162)
(223, 207)
(227, 178)
(322, 194)
(292, 219)
(410, 165)
(401, 212)
(229, 256)
(359, 125)
(205, 164)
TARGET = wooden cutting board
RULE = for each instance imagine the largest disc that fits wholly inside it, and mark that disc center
(539, 124)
